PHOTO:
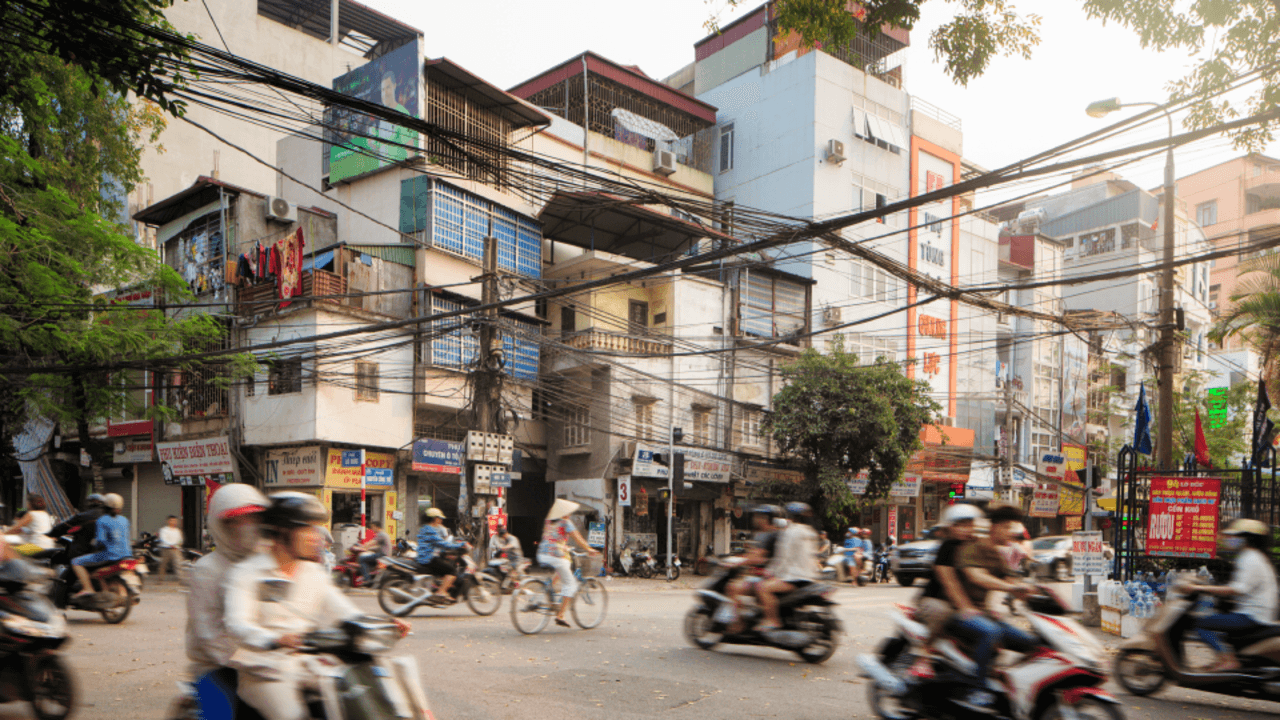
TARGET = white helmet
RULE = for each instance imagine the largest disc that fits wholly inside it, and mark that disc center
(961, 512)
(113, 501)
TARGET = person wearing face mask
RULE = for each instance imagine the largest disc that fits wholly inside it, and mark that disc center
(1253, 588)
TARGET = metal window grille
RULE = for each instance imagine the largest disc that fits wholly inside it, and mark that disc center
(482, 156)
(455, 221)
(749, 428)
(367, 381)
(202, 391)
(644, 420)
(284, 376)
(577, 426)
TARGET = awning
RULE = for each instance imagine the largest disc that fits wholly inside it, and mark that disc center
(322, 261)
(643, 126)
(604, 222)
(31, 450)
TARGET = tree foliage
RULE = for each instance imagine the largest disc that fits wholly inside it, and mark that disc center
(1224, 38)
(1254, 315)
(836, 417)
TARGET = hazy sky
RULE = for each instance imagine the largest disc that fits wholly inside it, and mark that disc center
(1018, 108)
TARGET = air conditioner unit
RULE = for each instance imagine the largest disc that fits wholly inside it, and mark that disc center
(835, 151)
(664, 162)
(281, 210)
(831, 315)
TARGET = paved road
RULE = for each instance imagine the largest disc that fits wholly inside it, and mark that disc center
(636, 665)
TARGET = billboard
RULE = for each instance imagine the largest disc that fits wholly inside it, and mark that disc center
(1075, 388)
(360, 144)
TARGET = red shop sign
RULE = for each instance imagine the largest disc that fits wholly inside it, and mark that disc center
(1183, 518)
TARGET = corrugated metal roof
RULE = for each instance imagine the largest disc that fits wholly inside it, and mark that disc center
(400, 254)
(1133, 206)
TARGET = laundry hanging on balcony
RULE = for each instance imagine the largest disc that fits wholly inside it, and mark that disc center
(289, 266)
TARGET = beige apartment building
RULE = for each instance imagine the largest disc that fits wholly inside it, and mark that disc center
(1233, 202)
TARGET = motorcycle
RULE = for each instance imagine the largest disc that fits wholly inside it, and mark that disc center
(1060, 680)
(122, 586)
(836, 569)
(880, 566)
(148, 552)
(31, 631)
(407, 587)
(348, 573)
(506, 571)
(809, 627)
(1157, 654)
(364, 686)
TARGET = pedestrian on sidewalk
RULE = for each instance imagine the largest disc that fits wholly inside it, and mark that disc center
(170, 542)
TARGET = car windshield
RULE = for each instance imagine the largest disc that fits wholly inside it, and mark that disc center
(1048, 543)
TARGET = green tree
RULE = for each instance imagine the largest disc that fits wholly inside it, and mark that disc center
(1224, 38)
(1254, 315)
(836, 417)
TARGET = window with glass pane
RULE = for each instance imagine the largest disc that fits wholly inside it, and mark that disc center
(749, 428)
(772, 307)
(643, 411)
(367, 381)
(577, 426)
(726, 148)
(1207, 213)
(701, 427)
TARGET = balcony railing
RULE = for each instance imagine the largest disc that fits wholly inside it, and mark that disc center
(594, 339)
(317, 285)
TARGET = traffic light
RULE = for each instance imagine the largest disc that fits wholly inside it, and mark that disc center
(662, 459)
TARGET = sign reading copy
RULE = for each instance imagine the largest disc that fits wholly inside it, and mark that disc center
(1086, 554)
(438, 456)
(699, 464)
(1044, 502)
(211, 456)
(294, 466)
(338, 476)
(1183, 521)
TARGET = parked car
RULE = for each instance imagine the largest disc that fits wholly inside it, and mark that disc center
(915, 559)
(1051, 557)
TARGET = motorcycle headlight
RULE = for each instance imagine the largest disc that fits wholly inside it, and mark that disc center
(19, 625)
(377, 640)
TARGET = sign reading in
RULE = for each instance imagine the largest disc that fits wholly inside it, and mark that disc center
(438, 456)
(186, 458)
(1086, 554)
(298, 467)
(1183, 521)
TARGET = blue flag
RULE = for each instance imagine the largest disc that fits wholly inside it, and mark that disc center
(1142, 428)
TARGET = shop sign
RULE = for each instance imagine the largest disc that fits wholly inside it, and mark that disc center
(1053, 465)
(1218, 412)
(138, 450)
(1044, 503)
(378, 477)
(893, 521)
(1183, 521)
(908, 486)
(438, 456)
(858, 484)
(595, 534)
(1071, 498)
(1086, 554)
(1072, 522)
(759, 474)
(701, 465)
(187, 458)
(389, 523)
(496, 519)
(624, 491)
(336, 475)
(1020, 479)
(298, 467)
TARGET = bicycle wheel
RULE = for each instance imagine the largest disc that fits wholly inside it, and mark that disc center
(590, 604)
(530, 607)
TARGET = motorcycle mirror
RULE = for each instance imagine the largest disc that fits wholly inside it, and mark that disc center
(274, 589)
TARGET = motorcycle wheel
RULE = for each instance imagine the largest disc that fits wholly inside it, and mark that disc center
(697, 627)
(1139, 672)
(906, 581)
(53, 693)
(644, 571)
(673, 573)
(1089, 708)
(824, 645)
(342, 580)
(889, 707)
(485, 596)
(117, 614)
(529, 611)
(390, 602)
(861, 580)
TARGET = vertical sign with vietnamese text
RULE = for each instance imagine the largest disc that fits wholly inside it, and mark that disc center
(1183, 521)
(1217, 414)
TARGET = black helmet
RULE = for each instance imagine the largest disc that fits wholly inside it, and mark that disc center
(95, 501)
(294, 509)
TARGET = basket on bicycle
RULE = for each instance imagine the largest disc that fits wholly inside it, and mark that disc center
(590, 565)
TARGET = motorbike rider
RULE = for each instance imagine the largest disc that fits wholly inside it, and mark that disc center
(272, 677)
(853, 552)
(944, 595)
(868, 548)
(553, 551)
(824, 546)
(983, 569)
(1253, 588)
(794, 563)
(234, 512)
(758, 555)
(506, 543)
(377, 544)
(433, 540)
(82, 526)
(111, 531)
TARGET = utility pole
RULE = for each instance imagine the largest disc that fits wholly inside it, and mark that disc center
(484, 384)
(1008, 431)
(1168, 338)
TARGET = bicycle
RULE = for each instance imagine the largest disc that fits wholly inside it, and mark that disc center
(533, 602)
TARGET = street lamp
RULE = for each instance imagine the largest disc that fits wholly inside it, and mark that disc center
(1168, 343)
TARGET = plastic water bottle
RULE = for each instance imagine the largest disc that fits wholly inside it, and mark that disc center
(1204, 576)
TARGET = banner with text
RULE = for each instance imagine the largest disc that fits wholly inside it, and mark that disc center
(438, 456)
(348, 478)
(699, 464)
(1044, 503)
(186, 458)
(1183, 520)
(298, 467)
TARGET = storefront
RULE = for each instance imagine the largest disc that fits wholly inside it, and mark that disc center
(699, 517)
(942, 468)
(187, 472)
(437, 479)
(319, 470)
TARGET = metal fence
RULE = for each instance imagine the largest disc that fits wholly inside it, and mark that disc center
(1246, 492)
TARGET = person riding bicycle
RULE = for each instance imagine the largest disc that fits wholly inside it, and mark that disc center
(794, 563)
(433, 542)
(1253, 588)
(553, 551)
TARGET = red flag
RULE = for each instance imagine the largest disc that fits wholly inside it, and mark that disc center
(1202, 447)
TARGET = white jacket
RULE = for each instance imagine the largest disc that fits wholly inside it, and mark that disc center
(796, 555)
(312, 602)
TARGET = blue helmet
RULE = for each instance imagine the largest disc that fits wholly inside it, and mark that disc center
(799, 509)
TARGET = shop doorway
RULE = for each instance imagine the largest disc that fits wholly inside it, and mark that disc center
(345, 518)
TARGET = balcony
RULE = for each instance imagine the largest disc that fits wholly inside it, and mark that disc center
(602, 340)
(1019, 250)
(317, 286)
